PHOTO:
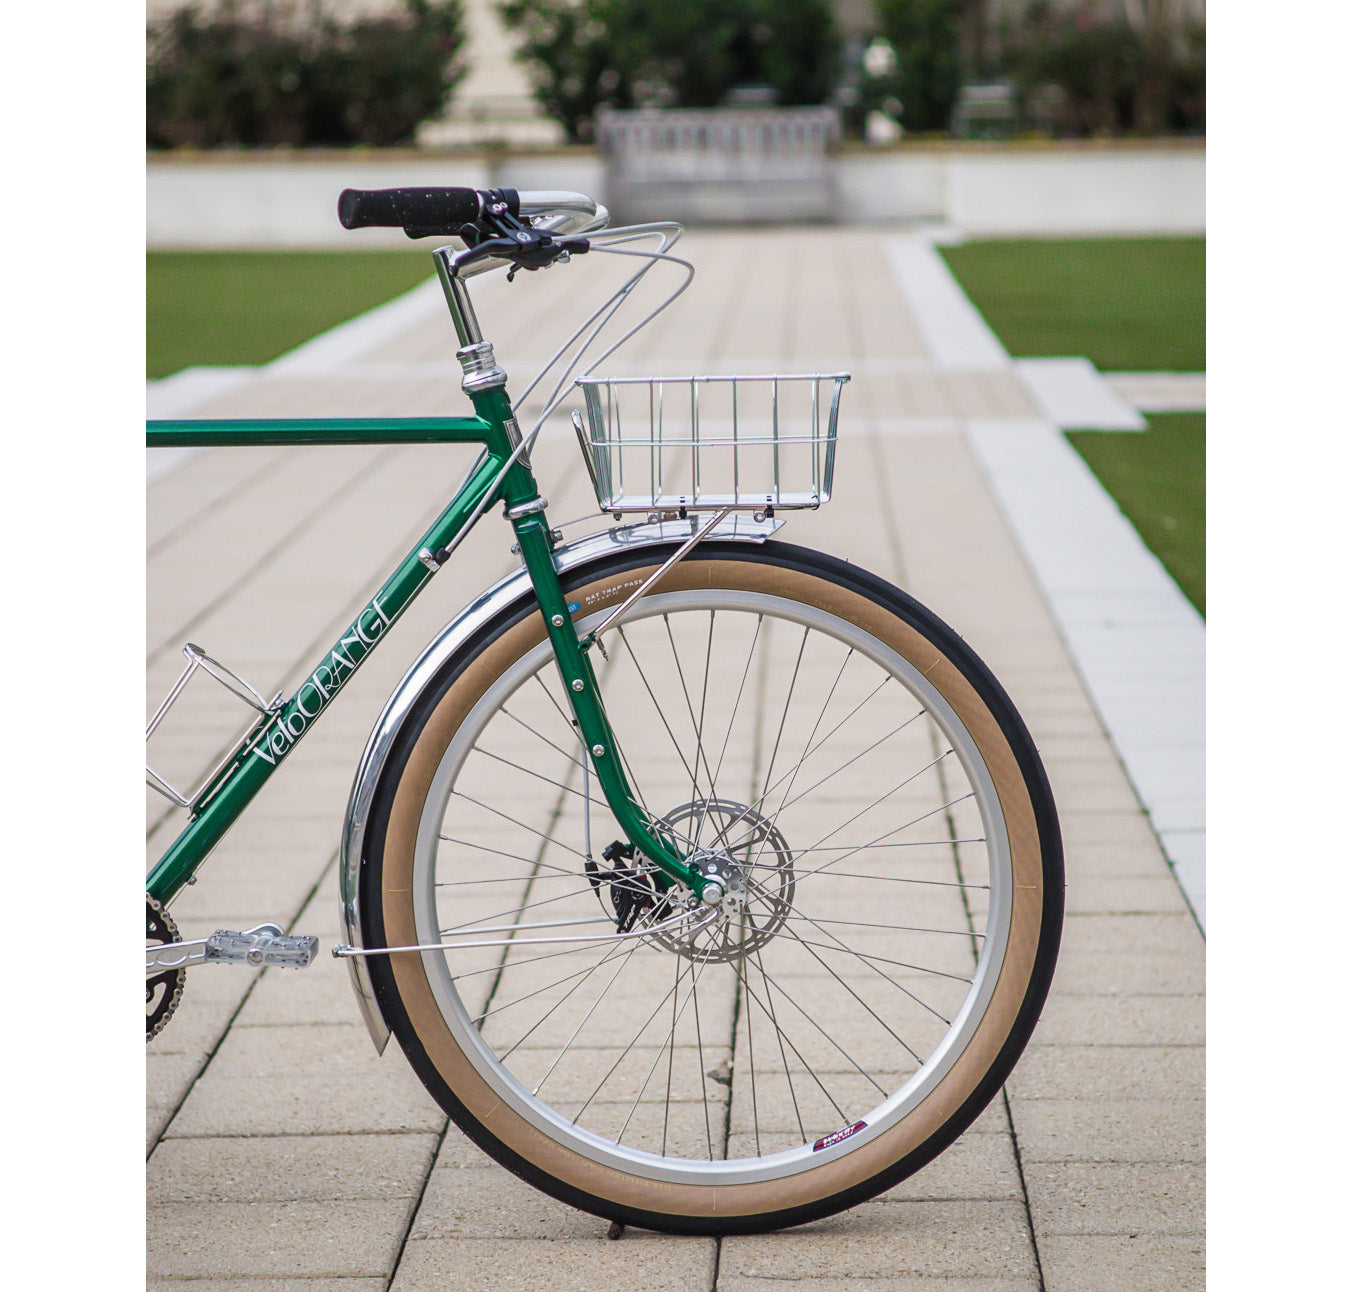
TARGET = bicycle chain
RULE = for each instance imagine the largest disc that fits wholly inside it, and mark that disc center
(160, 928)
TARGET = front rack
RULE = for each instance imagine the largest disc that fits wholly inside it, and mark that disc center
(743, 443)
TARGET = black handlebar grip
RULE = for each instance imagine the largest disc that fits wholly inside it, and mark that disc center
(403, 208)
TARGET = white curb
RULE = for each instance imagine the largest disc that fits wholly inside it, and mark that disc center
(1136, 640)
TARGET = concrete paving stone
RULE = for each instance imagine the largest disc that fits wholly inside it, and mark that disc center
(1123, 1020)
(343, 1283)
(1144, 934)
(243, 887)
(1075, 815)
(1064, 725)
(322, 993)
(1080, 786)
(305, 1080)
(1107, 829)
(1129, 859)
(201, 481)
(1098, 1128)
(1089, 742)
(1085, 973)
(1097, 801)
(289, 1168)
(975, 1166)
(459, 1152)
(1119, 1072)
(656, 1262)
(490, 1202)
(232, 1241)
(1150, 894)
(211, 997)
(886, 1283)
(1098, 1263)
(168, 1075)
(1116, 1197)
(961, 1239)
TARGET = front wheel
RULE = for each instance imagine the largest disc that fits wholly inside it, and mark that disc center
(894, 892)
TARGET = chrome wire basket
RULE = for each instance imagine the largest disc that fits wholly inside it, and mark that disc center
(746, 443)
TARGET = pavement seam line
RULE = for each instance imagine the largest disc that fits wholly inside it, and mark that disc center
(418, 1202)
(1026, 1196)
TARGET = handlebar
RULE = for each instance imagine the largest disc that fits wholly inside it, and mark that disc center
(469, 213)
(429, 211)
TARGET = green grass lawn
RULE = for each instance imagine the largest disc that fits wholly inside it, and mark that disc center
(1158, 480)
(221, 308)
(1129, 305)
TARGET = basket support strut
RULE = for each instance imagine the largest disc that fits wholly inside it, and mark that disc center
(697, 536)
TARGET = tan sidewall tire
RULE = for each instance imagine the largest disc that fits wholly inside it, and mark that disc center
(635, 1194)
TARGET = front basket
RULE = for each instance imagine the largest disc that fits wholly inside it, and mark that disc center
(743, 443)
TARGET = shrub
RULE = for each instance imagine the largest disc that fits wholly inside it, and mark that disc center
(299, 76)
(586, 54)
(1109, 78)
(920, 88)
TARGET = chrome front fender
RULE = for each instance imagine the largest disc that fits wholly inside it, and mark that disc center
(448, 641)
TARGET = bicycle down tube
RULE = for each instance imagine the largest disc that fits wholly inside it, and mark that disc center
(502, 474)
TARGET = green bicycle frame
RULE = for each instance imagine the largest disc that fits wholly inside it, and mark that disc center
(501, 474)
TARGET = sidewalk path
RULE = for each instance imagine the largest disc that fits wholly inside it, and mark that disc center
(283, 1149)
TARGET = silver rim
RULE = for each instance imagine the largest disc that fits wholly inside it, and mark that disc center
(863, 837)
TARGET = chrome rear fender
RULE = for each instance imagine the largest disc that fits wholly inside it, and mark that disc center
(491, 603)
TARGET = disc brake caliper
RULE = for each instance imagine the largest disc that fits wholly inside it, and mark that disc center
(634, 890)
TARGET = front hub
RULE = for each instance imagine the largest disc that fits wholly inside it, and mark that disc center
(751, 879)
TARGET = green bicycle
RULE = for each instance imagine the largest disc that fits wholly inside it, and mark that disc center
(709, 883)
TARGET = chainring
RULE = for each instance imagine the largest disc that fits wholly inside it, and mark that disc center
(163, 990)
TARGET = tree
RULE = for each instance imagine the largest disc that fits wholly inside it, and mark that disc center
(586, 54)
(295, 75)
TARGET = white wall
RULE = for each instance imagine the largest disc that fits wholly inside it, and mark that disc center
(1086, 192)
(985, 190)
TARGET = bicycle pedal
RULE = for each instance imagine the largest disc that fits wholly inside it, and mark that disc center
(265, 944)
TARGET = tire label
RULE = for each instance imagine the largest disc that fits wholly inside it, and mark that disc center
(838, 1136)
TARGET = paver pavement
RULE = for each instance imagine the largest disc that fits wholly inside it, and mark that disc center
(284, 1152)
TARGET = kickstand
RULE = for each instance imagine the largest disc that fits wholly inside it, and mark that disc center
(616, 1229)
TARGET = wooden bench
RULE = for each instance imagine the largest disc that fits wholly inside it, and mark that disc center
(720, 165)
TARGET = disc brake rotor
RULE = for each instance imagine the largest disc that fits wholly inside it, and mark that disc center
(753, 861)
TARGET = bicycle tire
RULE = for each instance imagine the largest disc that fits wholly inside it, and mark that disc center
(903, 986)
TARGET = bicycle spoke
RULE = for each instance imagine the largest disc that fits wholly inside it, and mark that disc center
(678, 1013)
(564, 1048)
(893, 928)
(783, 1038)
(527, 771)
(700, 755)
(521, 825)
(658, 708)
(773, 983)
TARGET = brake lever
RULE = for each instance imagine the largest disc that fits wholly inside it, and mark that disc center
(527, 248)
